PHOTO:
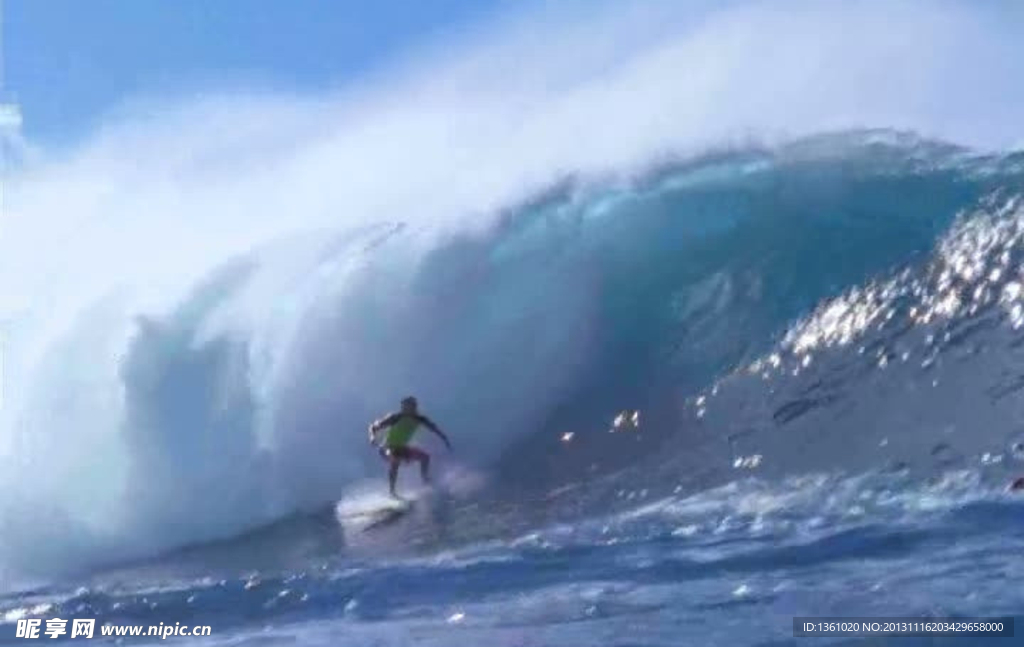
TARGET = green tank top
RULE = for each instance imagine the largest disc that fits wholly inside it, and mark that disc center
(400, 433)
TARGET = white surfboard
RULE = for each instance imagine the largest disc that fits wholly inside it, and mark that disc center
(366, 505)
(372, 510)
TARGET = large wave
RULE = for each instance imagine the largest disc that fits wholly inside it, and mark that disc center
(586, 301)
(193, 345)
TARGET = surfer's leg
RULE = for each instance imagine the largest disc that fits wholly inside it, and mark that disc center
(393, 475)
(424, 460)
(397, 456)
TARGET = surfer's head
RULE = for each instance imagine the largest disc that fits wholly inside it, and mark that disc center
(409, 405)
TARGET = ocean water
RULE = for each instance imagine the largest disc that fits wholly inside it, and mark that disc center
(686, 407)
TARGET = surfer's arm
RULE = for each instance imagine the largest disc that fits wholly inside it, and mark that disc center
(382, 423)
(429, 424)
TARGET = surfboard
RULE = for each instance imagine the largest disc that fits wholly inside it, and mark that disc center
(370, 512)
(365, 505)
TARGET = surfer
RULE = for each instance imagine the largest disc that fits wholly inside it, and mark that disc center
(400, 427)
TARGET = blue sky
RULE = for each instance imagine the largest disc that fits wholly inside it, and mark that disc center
(69, 61)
